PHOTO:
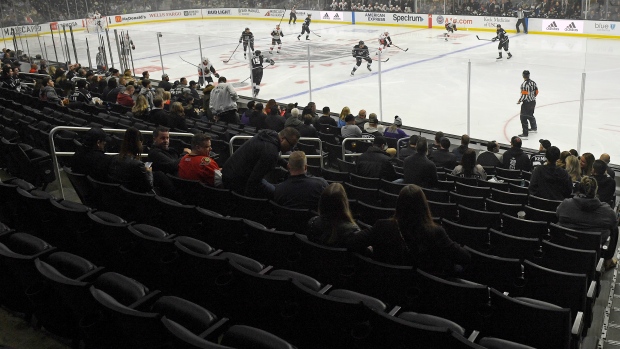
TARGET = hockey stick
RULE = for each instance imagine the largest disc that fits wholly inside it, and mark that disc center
(189, 62)
(315, 33)
(407, 49)
(362, 57)
(483, 39)
(282, 15)
(229, 58)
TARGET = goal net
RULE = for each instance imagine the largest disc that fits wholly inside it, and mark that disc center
(95, 25)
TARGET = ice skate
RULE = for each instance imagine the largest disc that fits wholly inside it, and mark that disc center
(352, 72)
(509, 55)
(500, 56)
(307, 38)
(369, 69)
(523, 136)
(532, 130)
(270, 52)
(278, 52)
(298, 37)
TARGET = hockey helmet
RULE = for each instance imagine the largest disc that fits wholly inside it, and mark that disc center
(277, 26)
(257, 53)
(361, 43)
(246, 29)
(309, 14)
(526, 73)
(499, 26)
(205, 60)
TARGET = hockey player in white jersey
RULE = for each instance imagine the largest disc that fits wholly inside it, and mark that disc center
(384, 41)
(450, 28)
(205, 69)
(276, 38)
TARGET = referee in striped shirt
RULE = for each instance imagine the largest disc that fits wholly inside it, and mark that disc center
(529, 91)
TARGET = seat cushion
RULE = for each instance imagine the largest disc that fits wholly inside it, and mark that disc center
(538, 303)
(123, 289)
(496, 343)
(149, 230)
(245, 337)
(70, 265)
(26, 244)
(189, 315)
(74, 206)
(368, 301)
(247, 263)
(106, 217)
(431, 320)
(194, 245)
(305, 280)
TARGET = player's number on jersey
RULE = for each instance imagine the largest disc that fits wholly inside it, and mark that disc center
(256, 60)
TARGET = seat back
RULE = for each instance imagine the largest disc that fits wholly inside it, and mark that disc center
(503, 274)
(508, 246)
(474, 237)
(524, 228)
(477, 218)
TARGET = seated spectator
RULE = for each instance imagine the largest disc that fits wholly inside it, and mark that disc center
(147, 92)
(91, 159)
(586, 212)
(490, 157)
(411, 237)
(165, 83)
(343, 115)
(360, 119)
(197, 165)
(167, 100)
(299, 190)
(307, 128)
(375, 162)
(270, 104)
(442, 157)
(48, 93)
(294, 119)
(419, 170)
(549, 181)
(258, 117)
(514, 158)
(460, 150)
(334, 226)
(574, 170)
(585, 162)
(410, 149)
(189, 109)
(127, 75)
(373, 126)
(125, 98)
(468, 168)
(164, 158)
(111, 85)
(140, 110)
(245, 117)
(562, 160)
(176, 117)
(326, 119)
(350, 130)
(394, 131)
(273, 120)
(606, 185)
(33, 69)
(158, 115)
(437, 144)
(126, 167)
(539, 158)
(606, 159)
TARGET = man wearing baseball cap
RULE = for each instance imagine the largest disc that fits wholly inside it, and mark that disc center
(540, 158)
(165, 83)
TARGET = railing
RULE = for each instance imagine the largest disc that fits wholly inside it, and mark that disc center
(312, 139)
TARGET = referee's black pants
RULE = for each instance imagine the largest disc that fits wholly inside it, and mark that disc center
(527, 114)
(519, 22)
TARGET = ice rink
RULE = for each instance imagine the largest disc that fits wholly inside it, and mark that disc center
(426, 86)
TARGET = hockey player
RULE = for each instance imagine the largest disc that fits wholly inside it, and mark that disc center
(248, 38)
(450, 28)
(305, 28)
(293, 16)
(503, 41)
(97, 18)
(205, 69)
(360, 51)
(276, 36)
(257, 71)
(127, 44)
(384, 41)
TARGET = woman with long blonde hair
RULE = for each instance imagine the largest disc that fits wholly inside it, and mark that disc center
(343, 114)
(140, 110)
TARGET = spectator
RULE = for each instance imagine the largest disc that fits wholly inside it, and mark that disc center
(548, 181)
(411, 237)
(442, 157)
(48, 93)
(460, 150)
(334, 226)
(539, 158)
(112, 95)
(562, 160)
(360, 119)
(573, 169)
(605, 157)
(223, 103)
(246, 167)
(164, 158)
(585, 162)
(180, 89)
(311, 109)
(373, 127)
(126, 167)
(299, 190)
(586, 212)
(165, 83)
(167, 100)
(307, 128)
(574, 152)
(375, 162)
(245, 117)
(343, 115)
(110, 85)
(197, 165)
(490, 157)
(394, 131)
(258, 117)
(193, 91)
(294, 120)
(326, 118)
(81, 94)
(606, 186)
(514, 158)
(206, 99)
(127, 75)
(350, 130)
(270, 104)
(147, 92)
(437, 144)
(140, 110)
(419, 170)
(411, 148)
(124, 98)
(274, 121)
(33, 69)
(176, 117)
(91, 159)
(158, 115)
(468, 168)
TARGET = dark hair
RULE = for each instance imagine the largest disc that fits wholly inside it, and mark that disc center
(326, 110)
(221, 79)
(112, 83)
(573, 152)
(132, 144)
(81, 83)
(158, 101)
(412, 213)
(491, 145)
(379, 140)
(421, 146)
(438, 136)
(274, 110)
(587, 171)
(465, 139)
(199, 139)
(258, 106)
(516, 142)
(160, 129)
(552, 154)
(251, 105)
(468, 162)
(290, 133)
(334, 208)
(146, 82)
(308, 119)
(445, 143)
(413, 140)
(599, 167)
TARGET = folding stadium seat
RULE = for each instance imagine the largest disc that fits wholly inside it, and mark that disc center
(459, 179)
(220, 231)
(35, 166)
(136, 206)
(102, 243)
(443, 210)
(497, 343)
(240, 336)
(269, 246)
(471, 190)
(367, 195)
(509, 198)
(346, 166)
(577, 239)
(365, 182)
(475, 202)
(334, 152)
(474, 237)
(508, 246)
(503, 274)
(393, 188)
(189, 191)
(17, 254)
(387, 200)
(369, 214)
(519, 182)
(436, 195)
(174, 217)
(524, 228)
(518, 189)
(34, 212)
(218, 199)
(496, 185)
(331, 175)
(62, 298)
(10, 198)
(290, 219)
(535, 214)
(255, 209)
(496, 206)
(543, 204)
(105, 196)
(445, 185)
(507, 173)
(71, 220)
(477, 218)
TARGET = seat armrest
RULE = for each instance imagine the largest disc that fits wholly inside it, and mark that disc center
(213, 332)
(577, 330)
(473, 336)
(146, 300)
(91, 274)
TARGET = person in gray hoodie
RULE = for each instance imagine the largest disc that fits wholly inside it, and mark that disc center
(48, 93)
(586, 212)
(147, 92)
(223, 103)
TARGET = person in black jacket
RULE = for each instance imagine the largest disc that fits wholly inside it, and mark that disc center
(549, 181)
(419, 169)
(163, 157)
(165, 83)
(273, 120)
(442, 157)
(490, 158)
(307, 129)
(126, 167)
(326, 118)
(91, 159)
(514, 158)
(606, 185)
(243, 172)
(460, 150)
(299, 190)
(375, 162)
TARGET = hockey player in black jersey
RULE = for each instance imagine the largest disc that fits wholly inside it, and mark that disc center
(360, 51)
(450, 28)
(305, 28)
(276, 38)
(257, 71)
(248, 39)
(503, 41)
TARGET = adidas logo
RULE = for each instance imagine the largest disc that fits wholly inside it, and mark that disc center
(336, 17)
(553, 26)
(571, 27)
(268, 14)
(326, 16)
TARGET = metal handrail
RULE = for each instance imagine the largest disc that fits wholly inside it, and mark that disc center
(54, 154)
(313, 139)
(344, 154)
